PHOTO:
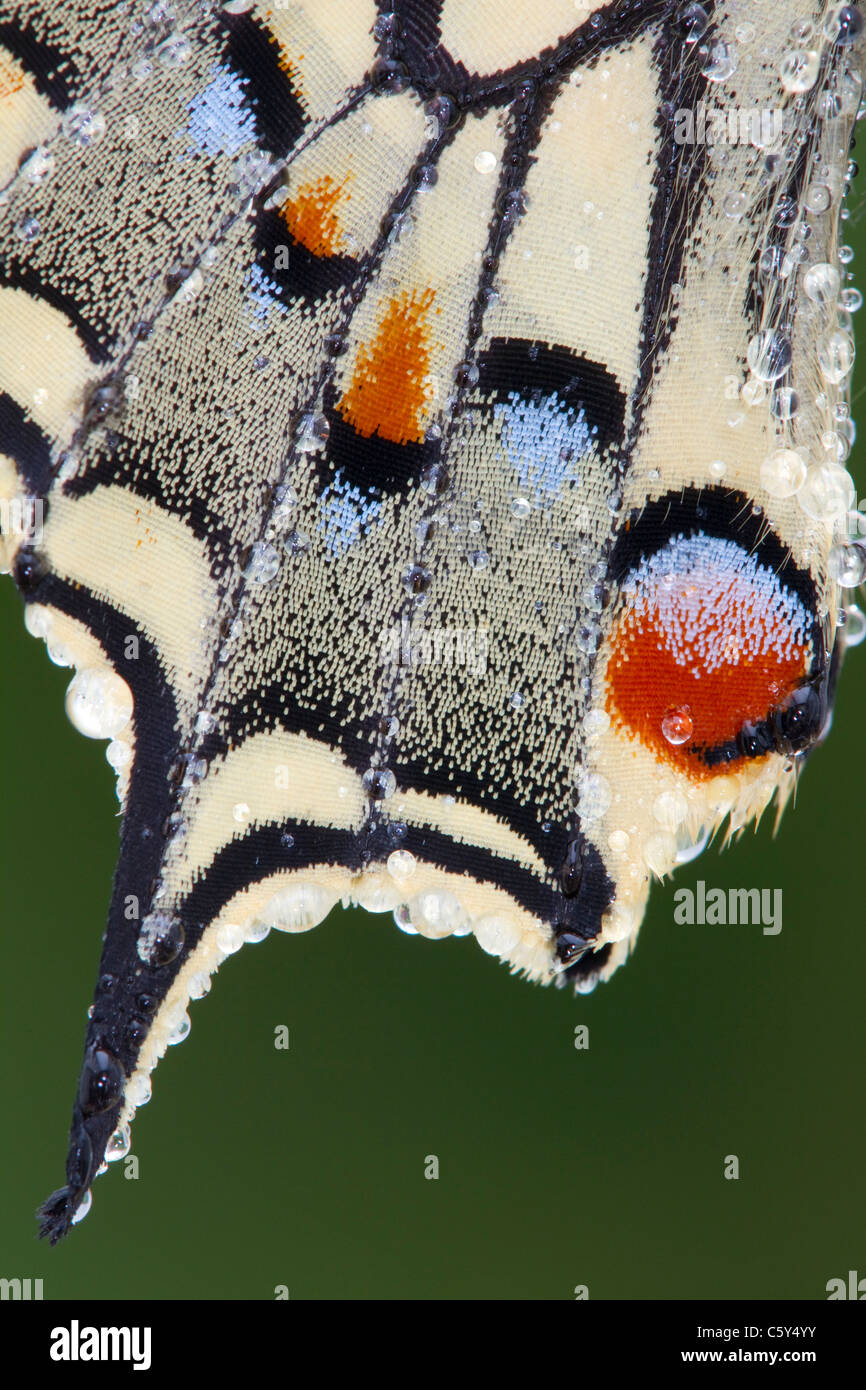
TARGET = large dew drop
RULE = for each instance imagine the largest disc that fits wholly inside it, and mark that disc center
(835, 357)
(848, 565)
(821, 283)
(263, 564)
(298, 907)
(594, 796)
(783, 473)
(827, 493)
(798, 71)
(677, 725)
(99, 703)
(769, 354)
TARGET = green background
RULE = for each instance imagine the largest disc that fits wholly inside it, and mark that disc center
(558, 1167)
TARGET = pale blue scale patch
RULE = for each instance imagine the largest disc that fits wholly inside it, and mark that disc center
(261, 292)
(220, 121)
(544, 444)
(345, 515)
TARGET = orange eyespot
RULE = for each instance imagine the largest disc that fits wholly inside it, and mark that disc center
(709, 640)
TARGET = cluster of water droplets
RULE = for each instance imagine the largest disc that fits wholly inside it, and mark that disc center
(805, 285)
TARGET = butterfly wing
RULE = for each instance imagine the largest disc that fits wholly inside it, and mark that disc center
(395, 405)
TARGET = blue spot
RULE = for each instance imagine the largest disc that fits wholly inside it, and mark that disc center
(220, 122)
(346, 514)
(544, 444)
(261, 292)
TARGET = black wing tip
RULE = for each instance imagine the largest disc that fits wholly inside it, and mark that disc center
(55, 1215)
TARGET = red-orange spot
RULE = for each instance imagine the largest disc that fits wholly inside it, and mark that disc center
(312, 217)
(704, 675)
(388, 393)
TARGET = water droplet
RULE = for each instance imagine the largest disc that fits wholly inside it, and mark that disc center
(769, 354)
(594, 796)
(436, 914)
(517, 699)
(387, 26)
(677, 725)
(229, 938)
(297, 543)
(848, 565)
(660, 852)
(734, 205)
(670, 809)
(843, 25)
(417, 580)
(718, 468)
(27, 229)
(82, 126)
(283, 514)
(388, 75)
(39, 166)
(118, 1145)
(596, 722)
(401, 864)
(692, 22)
(379, 783)
(403, 920)
(180, 1031)
(205, 722)
(298, 908)
(846, 254)
(160, 939)
(497, 935)
(784, 403)
(250, 173)
(818, 197)
(719, 61)
(98, 703)
(466, 374)
(520, 507)
(83, 1207)
(435, 480)
(263, 564)
(745, 33)
(174, 51)
(851, 299)
(827, 492)
(753, 392)
(241, 812)
(588, 639)
(798, 71)
(312, 433)
(835, 356)
(821, 283)
(802, 30)
(118, 754)
(478, 559)
(139, 1091)
(836, 445)
(190, 288)
(783, 473)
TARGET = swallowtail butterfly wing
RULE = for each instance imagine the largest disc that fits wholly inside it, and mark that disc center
(423, 430)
